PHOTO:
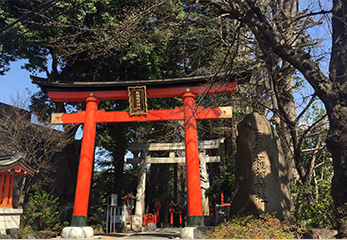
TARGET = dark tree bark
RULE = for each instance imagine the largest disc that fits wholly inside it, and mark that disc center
(337, 111)
(151, 188)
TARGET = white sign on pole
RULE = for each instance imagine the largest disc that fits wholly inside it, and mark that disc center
(114, 199)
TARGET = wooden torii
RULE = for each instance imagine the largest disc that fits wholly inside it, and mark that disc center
(137, 93)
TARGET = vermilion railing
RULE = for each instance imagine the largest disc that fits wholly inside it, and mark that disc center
(149, 218)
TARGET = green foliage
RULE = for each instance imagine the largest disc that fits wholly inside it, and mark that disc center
(98, 203)
(42, 213)
(225, 182)
(266, 226)
(314, 213)
(312, 202)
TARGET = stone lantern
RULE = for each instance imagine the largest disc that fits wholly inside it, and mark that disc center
(130, 204)
(157, 205)
(172, 210)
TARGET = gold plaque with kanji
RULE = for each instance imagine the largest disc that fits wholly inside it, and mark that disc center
(137, 100)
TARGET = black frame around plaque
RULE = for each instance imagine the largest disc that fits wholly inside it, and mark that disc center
(137, 100)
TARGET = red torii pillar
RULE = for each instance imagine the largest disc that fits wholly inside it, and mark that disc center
(195, 213)
(85, 168)
(189, 113)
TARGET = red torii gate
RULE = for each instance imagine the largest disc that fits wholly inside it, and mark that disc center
(94, 92)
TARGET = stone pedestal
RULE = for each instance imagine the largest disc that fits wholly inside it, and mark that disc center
(222, 214)
(137, 223)
(77, 232)
(9, 218)
(194, 232)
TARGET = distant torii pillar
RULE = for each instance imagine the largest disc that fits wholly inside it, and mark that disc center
(145, 150)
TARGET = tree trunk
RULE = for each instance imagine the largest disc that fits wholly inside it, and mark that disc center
(151, 189)
(337, 145)
(337, 112)
(175, 180)
(119, 176)
(284, 105)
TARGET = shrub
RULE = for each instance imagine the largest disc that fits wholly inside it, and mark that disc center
(96, 217)
(42, 213)
(314, 214)
(252, 227)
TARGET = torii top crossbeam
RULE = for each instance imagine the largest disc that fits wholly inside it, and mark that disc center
(61, 91)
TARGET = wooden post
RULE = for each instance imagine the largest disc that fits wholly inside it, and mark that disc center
(10, 196)
(5, 189)
(195, 214)
(79, 217)
(171, 210)
(180, 212)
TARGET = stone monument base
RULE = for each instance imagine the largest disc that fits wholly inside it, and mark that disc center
(9, 218)
(77, 232)
(137, 223)
(194, 232)
(187, 233)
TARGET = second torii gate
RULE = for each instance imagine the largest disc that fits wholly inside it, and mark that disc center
(137, 92)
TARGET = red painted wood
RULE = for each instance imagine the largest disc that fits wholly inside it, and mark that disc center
(72, 96)
(6, 186)
(222, 200)
(2, 184)
(153, 115)
(10, 195)
(180, 212)
(149, 218)
(157, 216)
(171, 218)
(86, 159)
(192, 157)
(78, 117)
(2, 188)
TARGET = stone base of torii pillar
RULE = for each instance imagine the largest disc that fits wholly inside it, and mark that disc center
(77, 232)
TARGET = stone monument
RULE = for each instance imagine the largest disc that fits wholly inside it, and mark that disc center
(203, 182)
(140, 195)
(261, 175)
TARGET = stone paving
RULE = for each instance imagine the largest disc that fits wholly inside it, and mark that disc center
(159, 233)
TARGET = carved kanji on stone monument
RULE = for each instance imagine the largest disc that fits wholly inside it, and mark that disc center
(261, 174)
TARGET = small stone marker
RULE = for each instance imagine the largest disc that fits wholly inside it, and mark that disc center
(150, 227)
(261, 175)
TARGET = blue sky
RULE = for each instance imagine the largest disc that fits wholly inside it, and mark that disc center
(15, 83)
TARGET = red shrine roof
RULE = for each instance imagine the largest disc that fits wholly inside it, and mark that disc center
(14, 164)
(129, 196)
(156, 88)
